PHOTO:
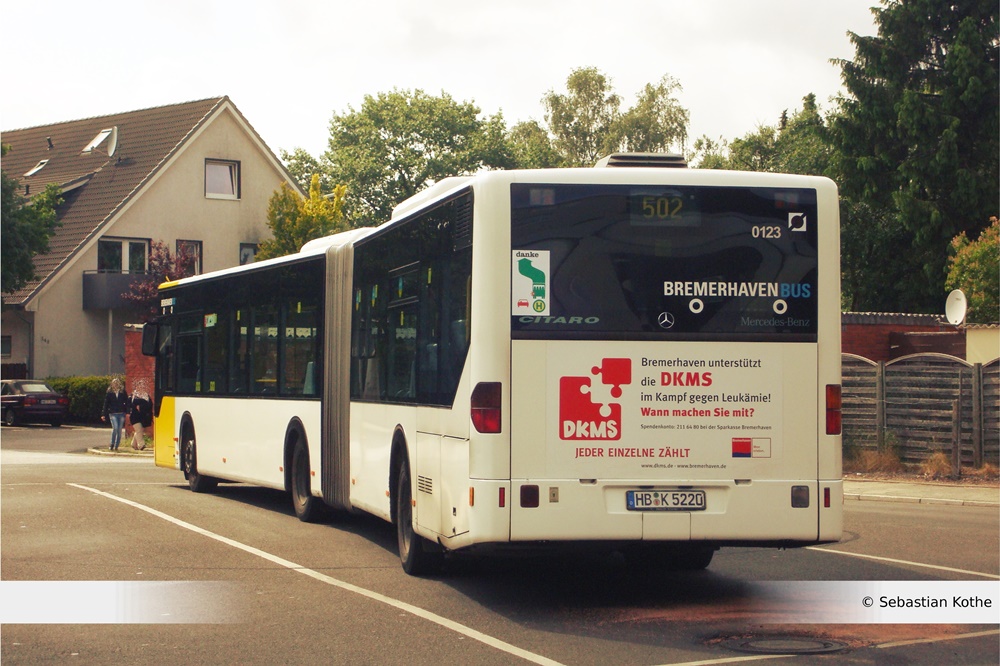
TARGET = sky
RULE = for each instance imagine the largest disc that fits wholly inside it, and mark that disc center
(290, 65)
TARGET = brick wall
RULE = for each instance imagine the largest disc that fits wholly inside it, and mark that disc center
(137, 366)
(867, 334)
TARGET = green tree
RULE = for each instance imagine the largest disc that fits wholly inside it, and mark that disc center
(756, 151)
(303, 167)
(974, 267)
(531, 147)
(583, 120)
(400, 142)
(27, 226)
(797, 144)
(919, 131)
(709, 153)
(873, 269)
(657, 121)
(295, 220)
(804, 144)
(588, 123)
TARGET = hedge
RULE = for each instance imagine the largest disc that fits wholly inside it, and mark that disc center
(86, 396)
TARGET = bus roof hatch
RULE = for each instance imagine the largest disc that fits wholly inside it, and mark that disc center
(661, 160)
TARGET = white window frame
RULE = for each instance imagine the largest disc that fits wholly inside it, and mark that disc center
(214, 184)
(35, 169)
(248, 253)
(98, 140)
(126, 252)
(196, 248)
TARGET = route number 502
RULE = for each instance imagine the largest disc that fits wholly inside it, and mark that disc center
(662, 208)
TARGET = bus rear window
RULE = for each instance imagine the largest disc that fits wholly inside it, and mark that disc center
(663, 262)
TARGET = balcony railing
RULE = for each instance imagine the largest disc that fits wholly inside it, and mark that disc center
(103, 291)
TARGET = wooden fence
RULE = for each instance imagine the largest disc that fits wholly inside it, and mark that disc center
(923, 404)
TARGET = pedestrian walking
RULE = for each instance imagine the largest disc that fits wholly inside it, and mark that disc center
(115, 407)
(140, 413)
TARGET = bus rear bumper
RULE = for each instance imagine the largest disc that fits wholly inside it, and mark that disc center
(798, 512)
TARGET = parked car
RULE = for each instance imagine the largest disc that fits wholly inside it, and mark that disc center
(32, 401)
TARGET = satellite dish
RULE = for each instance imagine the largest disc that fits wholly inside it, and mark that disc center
(955, 307)
(112, 141)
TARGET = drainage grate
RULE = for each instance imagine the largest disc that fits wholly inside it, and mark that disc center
(785, 645)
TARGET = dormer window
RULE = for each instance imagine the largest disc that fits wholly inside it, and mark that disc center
(35, 169)
(101, 137)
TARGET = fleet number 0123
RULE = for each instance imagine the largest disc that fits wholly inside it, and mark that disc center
(765, 231)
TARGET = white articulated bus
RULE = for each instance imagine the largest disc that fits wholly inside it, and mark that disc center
(643, 356)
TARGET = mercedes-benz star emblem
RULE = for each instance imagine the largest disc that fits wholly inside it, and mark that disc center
(666, 320)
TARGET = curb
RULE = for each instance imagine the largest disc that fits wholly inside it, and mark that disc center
(919, 500)
(147, 453)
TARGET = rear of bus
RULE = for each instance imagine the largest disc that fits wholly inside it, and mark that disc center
(675, 358)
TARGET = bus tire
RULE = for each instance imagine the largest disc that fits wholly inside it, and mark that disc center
(196, 482)
(415, 553)
(308, 508)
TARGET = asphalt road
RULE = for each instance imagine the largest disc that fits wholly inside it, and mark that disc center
(235, 578)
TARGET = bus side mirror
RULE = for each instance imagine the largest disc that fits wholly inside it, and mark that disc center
(149, 332)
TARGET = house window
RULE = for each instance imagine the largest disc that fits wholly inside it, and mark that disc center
(101, 137)
(247, 253)
(5, 346)
(222, 179)
(35, 169)
(122, 255)
(192, 249)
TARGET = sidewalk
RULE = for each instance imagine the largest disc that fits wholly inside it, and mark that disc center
(954, 494)
(123, 451)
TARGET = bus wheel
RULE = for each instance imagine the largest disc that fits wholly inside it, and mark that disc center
(197, 482)
(414, 551)
(308, 508)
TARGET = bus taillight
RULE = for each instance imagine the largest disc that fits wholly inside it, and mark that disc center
(833, 409)
(486, 407)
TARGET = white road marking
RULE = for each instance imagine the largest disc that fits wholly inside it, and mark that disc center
(907, 562)
(733, 660)
(495, 642)
(918, 641)
(329, 580)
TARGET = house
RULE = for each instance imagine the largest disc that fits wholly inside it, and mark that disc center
(195, 176)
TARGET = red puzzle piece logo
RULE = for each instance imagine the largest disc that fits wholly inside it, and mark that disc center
(580, 418)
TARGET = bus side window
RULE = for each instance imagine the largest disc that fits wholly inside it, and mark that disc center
(189, 350)
(300, 346)
(166, 371)
(216, 348)
(265, 349)
(240, 352)
(188, 364)
(402, 354)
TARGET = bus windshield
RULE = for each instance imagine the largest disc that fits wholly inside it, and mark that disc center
(663, 263)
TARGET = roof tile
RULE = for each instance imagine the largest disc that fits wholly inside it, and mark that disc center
(145, 139)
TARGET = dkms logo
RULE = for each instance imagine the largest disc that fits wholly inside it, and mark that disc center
(585, 416)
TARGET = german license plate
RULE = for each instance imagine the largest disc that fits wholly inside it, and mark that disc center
(665, 500)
